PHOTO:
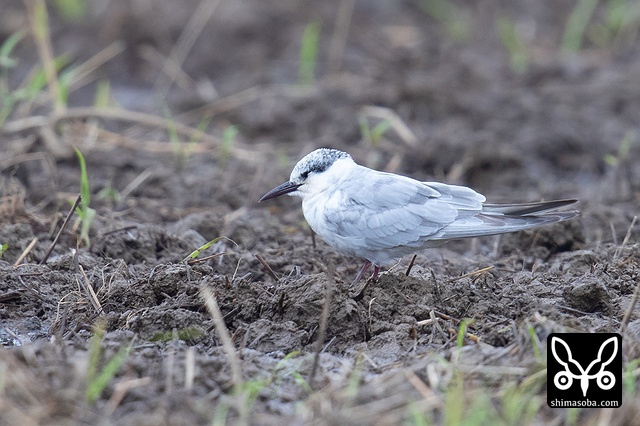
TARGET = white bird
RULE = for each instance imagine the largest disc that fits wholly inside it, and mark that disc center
(381, 217)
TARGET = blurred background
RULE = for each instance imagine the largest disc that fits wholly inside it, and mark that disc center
(196, 104)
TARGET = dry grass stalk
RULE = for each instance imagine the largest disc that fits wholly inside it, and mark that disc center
(252, 153)
(13, 159)
(400, 127)
(340, 35)
(83, 71)
(266, 267)
(630, 309)
(413, 260)
(11, 200)
(201, 15)
(64, 225)
(232, 357)
(206, 258)
(38, 20)
(93, 298)
(25, 252)
(471, 274)
(223, 334)
(430, 398)
(324, 319)
(189, 368)
(626, 239)
(121, 390)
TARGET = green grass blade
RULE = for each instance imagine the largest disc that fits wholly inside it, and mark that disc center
(7, 47)
(510, 39)
(577, 24)
(194, 254)
(308, 53)
(379, 130)
(454, 401)
(84, 182)
(228, 137)
(174, 138)
(84, 212)
(71, 10)
(629, 377)
(100, 382)
(534, 343)
(37, 83)
(462, 332)
(103, 94)
(95, 352)
(3, 248)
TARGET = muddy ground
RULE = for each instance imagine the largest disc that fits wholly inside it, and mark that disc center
(459, 108)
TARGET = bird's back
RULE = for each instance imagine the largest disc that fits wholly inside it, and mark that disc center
(382, 216)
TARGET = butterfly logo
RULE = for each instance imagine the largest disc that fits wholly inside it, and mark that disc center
(564, 379)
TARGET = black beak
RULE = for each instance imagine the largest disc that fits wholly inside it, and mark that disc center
(279, 190)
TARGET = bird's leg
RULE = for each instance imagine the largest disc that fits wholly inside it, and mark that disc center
(363, 271)
(376, 269)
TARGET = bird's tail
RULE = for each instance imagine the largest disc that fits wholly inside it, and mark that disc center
(524, 209)
(503, 218)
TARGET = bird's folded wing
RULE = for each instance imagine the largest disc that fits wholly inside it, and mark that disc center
(390, 211)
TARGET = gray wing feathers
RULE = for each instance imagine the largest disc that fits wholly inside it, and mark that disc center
(389, 191)
(502, 218)
(525, 208)
(491, 224)
(391, 211)
(460, 197)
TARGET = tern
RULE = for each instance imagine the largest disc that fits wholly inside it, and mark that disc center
(381, 217)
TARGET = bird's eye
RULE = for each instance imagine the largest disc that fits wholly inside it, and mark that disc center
(304, 175)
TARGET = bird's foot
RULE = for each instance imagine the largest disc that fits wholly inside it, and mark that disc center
(362, 271)
(374, 278)
(376, 270)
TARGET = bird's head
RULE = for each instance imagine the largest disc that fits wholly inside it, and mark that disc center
(312, 174)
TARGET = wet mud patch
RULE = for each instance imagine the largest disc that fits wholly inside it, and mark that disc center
(398, 321)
